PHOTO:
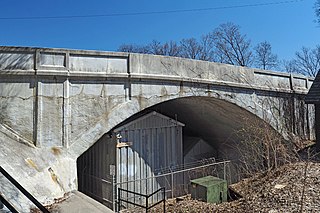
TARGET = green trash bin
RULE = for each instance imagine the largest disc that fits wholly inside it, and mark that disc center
(209, 189)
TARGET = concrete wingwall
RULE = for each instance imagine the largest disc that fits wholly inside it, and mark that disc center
(56, 103)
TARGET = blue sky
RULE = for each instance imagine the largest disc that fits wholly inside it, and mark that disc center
(287, 26)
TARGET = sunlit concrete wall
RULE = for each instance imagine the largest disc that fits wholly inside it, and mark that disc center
(56, 103)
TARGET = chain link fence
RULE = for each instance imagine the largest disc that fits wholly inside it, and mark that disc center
(175, 180)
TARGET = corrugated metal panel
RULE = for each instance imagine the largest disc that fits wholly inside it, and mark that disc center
(156, 144)
(143, 122)
(94, 170)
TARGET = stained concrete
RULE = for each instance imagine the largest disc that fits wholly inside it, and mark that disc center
(56, 103)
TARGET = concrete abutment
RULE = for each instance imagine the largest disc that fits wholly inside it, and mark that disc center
(56, 103)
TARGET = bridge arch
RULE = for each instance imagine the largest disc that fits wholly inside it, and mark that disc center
(59, 102)
(213, 128)
(219, 107)
(215, 120)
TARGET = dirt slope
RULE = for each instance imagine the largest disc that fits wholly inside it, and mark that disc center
(291, 188)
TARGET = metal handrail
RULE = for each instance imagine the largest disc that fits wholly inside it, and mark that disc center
(147, 206)
(8, 204)
(23, 190)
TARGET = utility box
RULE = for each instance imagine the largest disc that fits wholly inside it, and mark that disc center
(209, 189)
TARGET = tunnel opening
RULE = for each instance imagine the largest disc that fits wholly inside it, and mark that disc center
(182, 131)
(211, 126)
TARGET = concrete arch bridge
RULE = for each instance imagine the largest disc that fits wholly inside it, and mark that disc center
(56, 103)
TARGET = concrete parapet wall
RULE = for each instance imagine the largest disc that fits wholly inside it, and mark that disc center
(150, 66)
(61, 62)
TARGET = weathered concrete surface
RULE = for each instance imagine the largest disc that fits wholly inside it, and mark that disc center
(54, 104)
(42, 171)
(80, 203)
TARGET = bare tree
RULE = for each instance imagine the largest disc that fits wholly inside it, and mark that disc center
(190, 48)
(264, 58)
(155, 47)
(231, 46)
(133, 48)
(317, 10)
(126, 48)
(171, 48)
(288, 66)
(225, 44)
(201, 50)
(307, 61)
(261, 148)
(206, 45)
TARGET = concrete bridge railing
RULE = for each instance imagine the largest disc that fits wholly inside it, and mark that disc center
(75, 63)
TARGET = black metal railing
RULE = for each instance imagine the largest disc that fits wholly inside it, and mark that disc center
(7, 204)
(146, 206)
(23, 190)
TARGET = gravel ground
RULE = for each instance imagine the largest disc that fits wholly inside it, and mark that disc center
(291, 188)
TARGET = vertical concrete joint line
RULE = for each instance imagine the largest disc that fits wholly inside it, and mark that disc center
(128, 87)
(35, 110)
(38, 112)
(66, 114)
(35, 58)
(38, 100)
(66, 61)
